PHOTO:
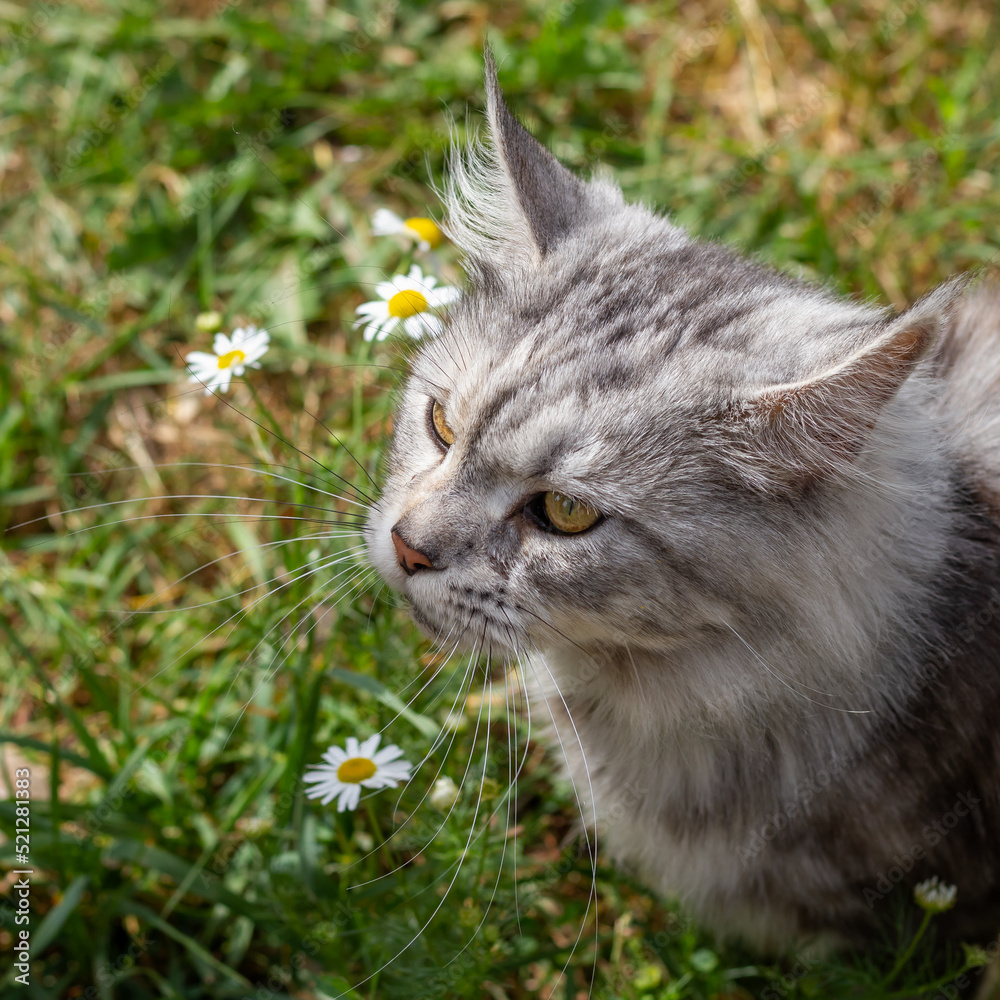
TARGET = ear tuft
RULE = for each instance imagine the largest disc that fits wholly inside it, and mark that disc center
(509, 200)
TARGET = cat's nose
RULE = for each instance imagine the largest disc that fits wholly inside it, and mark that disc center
(409, 558)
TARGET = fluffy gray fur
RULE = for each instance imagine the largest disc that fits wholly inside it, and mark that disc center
(773, 664)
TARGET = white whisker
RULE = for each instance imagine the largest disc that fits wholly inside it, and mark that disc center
(591, 847)
(239, 593)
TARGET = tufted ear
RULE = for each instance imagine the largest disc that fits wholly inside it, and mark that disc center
(510, 200)
(795, 433)
(550, 198)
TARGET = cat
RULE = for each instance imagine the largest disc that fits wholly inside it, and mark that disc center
(743, 533)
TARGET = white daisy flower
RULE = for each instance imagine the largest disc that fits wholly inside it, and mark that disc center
(405, 300)
(230, 356)
(346, 771)
(426, 232)
(935, 896)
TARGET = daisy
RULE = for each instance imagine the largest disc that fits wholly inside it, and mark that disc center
(345, 771)
(424, 231)
(935, 896)
(229, 357)
(405, 301)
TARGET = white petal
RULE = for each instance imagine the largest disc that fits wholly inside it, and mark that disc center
(444, 296)
(386, 289)
(369, 746)
(221, 344)
(385, 781)
(349, 797)
(352, 747)
(386, 223)
(326, 787)
(399, 283)
(213, 380)
(335, 756)
(377, 781)
(416, 274)
(326, 794)
(203, 376)
(205, 363)
(321, 783)
(319, 772)
(417, 326)
(388, 778)
(371, 318)
(202, 359)
(402, 283)
(381, 328)
(256, 347)
(398, 769)
(387, 753)
(371, 310)
(316, 792)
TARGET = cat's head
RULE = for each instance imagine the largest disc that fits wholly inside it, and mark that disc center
(623, 434)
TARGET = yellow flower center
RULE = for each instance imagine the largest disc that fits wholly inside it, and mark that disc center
(426, 229)
(231, 358)
(356, 769)
(405, 304)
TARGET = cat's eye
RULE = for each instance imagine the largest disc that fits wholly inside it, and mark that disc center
(439, 426)
(563, 514)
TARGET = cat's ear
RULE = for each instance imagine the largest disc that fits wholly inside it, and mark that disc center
(511, 201)
(795, 433)
(550, 199)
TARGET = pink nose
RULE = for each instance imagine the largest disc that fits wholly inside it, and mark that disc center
(409, 559)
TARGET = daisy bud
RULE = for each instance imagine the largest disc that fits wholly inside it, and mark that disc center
(935, 896)
(208, 322)
(444, 794)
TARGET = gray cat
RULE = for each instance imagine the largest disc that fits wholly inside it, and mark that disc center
(743, 533)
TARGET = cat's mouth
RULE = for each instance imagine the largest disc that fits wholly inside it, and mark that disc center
(466, 624)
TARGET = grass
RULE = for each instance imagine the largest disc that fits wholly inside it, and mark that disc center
(169, 665)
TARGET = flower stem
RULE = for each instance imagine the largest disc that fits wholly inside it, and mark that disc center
(911, 948)
(384, 848)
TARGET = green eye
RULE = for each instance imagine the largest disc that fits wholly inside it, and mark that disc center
(568, 515)
(444, 434)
